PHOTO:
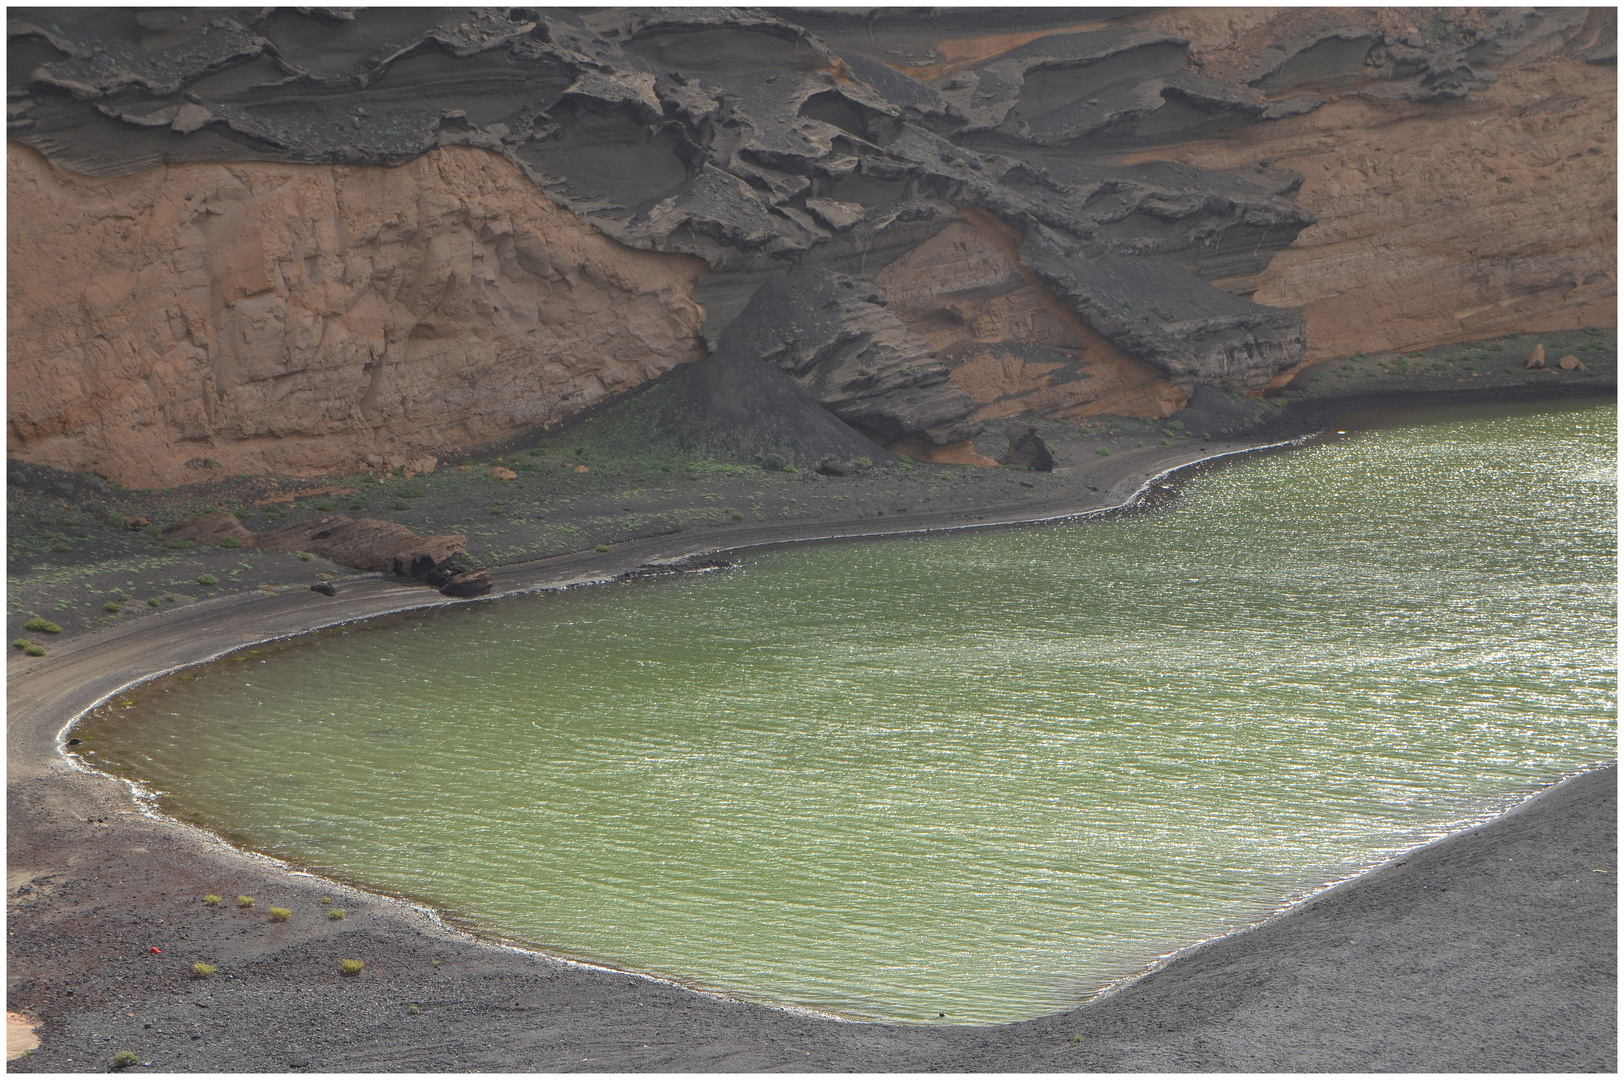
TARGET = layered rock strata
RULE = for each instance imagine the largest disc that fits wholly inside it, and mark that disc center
(1133, 203)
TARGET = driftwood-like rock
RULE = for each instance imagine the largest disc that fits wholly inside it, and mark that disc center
(366, 544)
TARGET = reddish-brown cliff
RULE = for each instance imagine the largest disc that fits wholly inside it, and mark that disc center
(197, 320)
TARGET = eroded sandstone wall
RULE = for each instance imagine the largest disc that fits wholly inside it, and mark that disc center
(1437, 221)
(198, 320)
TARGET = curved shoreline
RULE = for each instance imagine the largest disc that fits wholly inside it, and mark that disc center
(87, 671)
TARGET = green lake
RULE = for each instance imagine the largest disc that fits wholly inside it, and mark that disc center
(979, 774)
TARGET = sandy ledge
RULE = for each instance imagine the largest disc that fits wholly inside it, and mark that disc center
(1492, 950)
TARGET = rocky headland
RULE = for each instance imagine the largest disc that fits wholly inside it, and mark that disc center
(403, 302)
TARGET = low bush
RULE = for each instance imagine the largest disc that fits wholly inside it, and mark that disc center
(208, 579)
(325, 505)
(1103, 451)
(245, 901)
(351, 967)
(231, 542)
(202, 970)
(111, 607)
(601, 548)
(863, 463)
(42, 626)
(211, 900)
(336, 913)
(153, 601)
(125, 1058)
(280, 914)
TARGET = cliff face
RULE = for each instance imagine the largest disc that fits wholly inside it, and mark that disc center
(1441, 221)
(200, 320)
(324, 236)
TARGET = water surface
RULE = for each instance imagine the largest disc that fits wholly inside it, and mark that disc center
(978, 774)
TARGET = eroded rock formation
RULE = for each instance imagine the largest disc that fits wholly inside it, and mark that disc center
(199, 320)
(362, 543)
(954, 215)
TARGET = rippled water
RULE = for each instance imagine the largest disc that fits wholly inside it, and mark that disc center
(977, 775)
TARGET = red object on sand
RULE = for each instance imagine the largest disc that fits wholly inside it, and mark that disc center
(155, 949)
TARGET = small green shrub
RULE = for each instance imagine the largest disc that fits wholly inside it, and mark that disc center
(601, 547)
(177, 545)
(125, 1058)
(1103, 451)
(351, 967)
(115, 521)
(211, 900)
(245, 901)
(402, 504)
(336, 913)
(32, 649)
(303, 556)
(42, 626)
(202, 970)
(208, 579)
(863, 463)
(170, 598)
(231, 542)
(280, 914)
(411, 1010)
(111, 607)
(243, 514)
(324, 505)
(737, 516)
(153, 601)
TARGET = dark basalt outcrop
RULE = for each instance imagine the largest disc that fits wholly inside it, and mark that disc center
(825, 142)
